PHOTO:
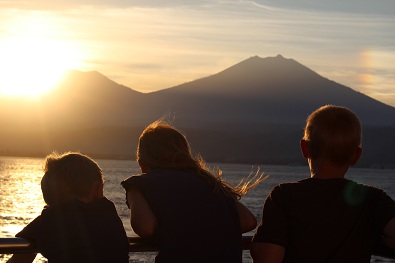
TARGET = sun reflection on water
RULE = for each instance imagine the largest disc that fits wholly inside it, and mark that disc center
(21, 199)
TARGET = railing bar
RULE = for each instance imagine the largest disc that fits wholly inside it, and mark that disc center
(14, 245)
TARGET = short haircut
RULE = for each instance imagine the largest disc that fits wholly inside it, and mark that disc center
(333, 133)
(69, 176)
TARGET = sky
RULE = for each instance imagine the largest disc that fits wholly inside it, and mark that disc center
(150, 45)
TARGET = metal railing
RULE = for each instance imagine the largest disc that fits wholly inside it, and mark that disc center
(15, 245)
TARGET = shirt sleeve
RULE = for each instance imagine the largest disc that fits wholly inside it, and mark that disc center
(385, 209)
(31, 231)
(273, 225)
(129, 183)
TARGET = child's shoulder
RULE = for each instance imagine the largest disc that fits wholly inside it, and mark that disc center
(130, 181)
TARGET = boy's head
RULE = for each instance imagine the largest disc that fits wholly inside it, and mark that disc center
(333, 133)
(71, 176)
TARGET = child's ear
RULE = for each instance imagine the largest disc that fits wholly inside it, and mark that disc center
(143, 167)
(356, 156)
(304, 148)
(97, 190)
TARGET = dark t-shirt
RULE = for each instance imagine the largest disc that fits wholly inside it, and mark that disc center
(79, 232)
(195, 224)
(316, 220)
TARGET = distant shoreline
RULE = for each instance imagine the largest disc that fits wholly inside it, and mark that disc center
(235, 161)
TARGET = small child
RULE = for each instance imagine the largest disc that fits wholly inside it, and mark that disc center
(192, 213)
(78, 224)
(326, 217)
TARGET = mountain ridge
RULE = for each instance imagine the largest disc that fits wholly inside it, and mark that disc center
(253, 111)
(271, 83)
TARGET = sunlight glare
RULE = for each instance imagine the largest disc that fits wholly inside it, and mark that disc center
(32, 63)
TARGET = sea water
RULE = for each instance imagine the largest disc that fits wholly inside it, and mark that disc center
(21, 199)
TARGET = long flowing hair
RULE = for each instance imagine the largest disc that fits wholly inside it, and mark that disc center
(162, 146)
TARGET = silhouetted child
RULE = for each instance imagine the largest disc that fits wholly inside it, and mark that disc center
(325, 218)
(78, 224)
(193, 214)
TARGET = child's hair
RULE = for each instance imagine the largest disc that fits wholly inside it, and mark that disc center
(162, 146)
(333, 133)
(69, 176)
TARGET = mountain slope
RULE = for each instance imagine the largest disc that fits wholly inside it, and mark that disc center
(268, 90)
(251, 112)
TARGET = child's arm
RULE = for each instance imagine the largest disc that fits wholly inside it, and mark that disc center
(142, 219)
(389, 234)
(266, 253)
(22, 258)
(247, 219)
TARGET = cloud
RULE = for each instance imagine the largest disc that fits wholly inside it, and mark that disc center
(159, 44)
(72, 4)
(384, 7)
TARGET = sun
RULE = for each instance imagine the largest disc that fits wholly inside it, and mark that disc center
(33, 61)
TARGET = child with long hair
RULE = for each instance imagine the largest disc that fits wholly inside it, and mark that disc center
(193, 214)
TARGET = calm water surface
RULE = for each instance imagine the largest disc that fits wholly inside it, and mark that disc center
(21, 199)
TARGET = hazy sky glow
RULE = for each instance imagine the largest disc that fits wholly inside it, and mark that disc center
(153, 45)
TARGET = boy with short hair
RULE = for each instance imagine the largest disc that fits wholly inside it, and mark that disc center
(325, 218)
(78, 224)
